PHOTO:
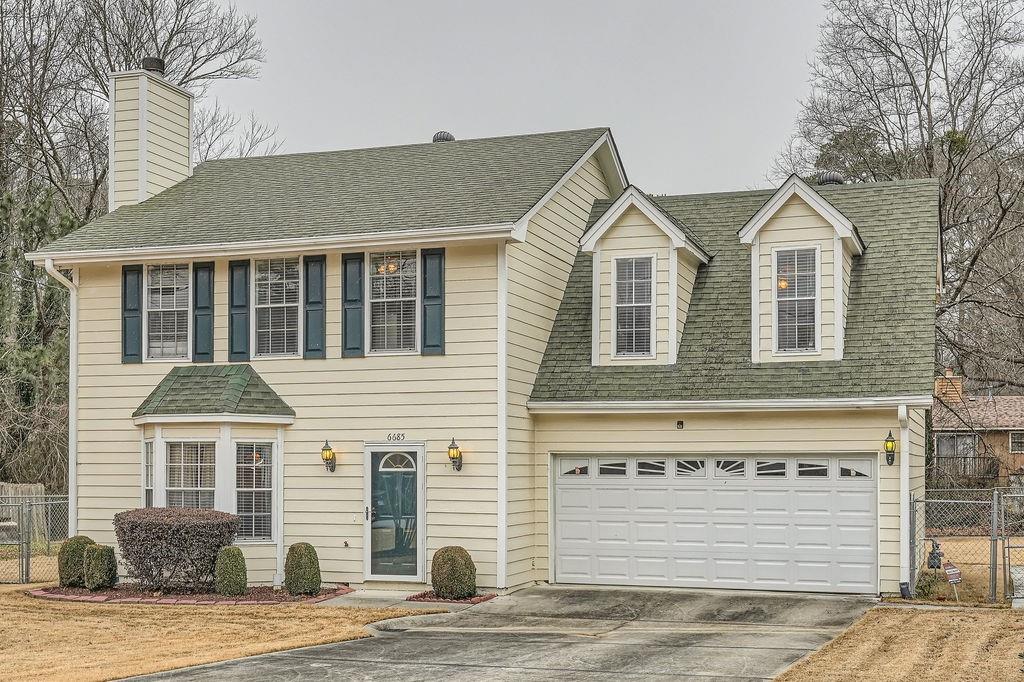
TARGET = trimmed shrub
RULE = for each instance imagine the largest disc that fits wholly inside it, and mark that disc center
(453, 573)
(100, 567)
(928, 583)
(229, 576)
(71, 561)
(173, 550)
(302, 569)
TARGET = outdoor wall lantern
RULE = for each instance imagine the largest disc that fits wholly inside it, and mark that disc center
(890, 449)
(455, 455)
(327, 454)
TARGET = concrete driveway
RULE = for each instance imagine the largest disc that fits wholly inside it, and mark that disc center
(561, 633)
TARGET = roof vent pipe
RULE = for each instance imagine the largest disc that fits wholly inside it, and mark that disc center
(831, 178)
(443, 136)
(154, 65)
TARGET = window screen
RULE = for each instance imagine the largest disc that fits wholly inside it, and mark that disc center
(277, 306)
(254, 490)
(167, 311)
(796, 292)
(633, 298)
(191, 472)
(393, 301)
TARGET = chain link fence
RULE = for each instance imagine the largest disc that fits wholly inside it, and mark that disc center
(32, 529)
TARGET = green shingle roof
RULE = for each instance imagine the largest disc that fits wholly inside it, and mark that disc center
(890, 333)
(334, 194)
(213, 389)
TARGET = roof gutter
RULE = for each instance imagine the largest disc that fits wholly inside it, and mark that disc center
(444, 235)
(676, 406)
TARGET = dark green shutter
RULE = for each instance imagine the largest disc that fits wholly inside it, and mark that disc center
(433, 302)
(315, 292)
(352, 305)
(202, 312)
(238, 311)
(131, 313)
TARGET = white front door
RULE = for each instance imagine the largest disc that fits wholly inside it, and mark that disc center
(394, 513)
(733, 521)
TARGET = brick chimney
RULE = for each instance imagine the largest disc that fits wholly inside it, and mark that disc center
(949, 387)
(150, 135)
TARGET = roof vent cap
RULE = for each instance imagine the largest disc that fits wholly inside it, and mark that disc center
(831, 178)
(443, 136)
(153, 64)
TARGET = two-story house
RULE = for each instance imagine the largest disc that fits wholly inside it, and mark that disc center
(675, 390)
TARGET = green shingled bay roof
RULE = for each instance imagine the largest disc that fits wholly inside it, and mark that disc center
(214, 390)
(889, 345)
(463, 183)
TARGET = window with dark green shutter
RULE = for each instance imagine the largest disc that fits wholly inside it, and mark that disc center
(433, 302)
(352, 305)
(202, 312)
(314, 295)
(131, 313)
(238, 310)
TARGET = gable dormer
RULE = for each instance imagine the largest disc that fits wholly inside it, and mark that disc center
(644, 265)
(801, 255)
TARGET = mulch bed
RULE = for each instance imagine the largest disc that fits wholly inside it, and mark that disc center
(262, 595)
(430, 596)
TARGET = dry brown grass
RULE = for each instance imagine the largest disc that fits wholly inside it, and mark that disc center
(971, 554)
(50, 640)
(890, 643)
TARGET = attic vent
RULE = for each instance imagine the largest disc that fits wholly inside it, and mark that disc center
(154, 64)
(443, 136)
(830, 178)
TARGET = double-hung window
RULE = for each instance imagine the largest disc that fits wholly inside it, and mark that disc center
(956, 445)
(191, 474)
(633, 306)
(277, 306)
(147, 473)
(254, 490)
(796, 300)
(1016, 441)
(393, 296)
(167, 311)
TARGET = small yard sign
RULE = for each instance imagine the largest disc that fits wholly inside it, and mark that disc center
(952, 573)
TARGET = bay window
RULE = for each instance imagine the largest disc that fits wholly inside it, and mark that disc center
(191, 474)
(254, 490)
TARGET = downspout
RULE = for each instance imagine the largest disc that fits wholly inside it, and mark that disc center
(72, 288)
(902, 414)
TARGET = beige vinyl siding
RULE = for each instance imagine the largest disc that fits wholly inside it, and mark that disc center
(347, 401)
(686, 276)
(167, 137)
(633, 234)
(124, 171)
(847, 273)
(538, 270)
(791, 433)
(796, 225)
(916, 427)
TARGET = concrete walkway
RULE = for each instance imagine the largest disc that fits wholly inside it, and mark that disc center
(558, 633)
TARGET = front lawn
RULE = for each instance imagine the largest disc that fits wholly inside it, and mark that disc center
(43, 639)
(890, 643)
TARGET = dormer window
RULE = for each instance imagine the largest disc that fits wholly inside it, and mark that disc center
(796, 300)
(634, 307)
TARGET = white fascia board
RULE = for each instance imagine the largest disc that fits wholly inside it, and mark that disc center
(212, 419)
(633, 197)
(672, 406)
(794, 185)
(521, 225)
(495, 232)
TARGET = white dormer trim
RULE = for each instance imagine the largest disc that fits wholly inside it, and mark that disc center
(794, 185)
(634, 198)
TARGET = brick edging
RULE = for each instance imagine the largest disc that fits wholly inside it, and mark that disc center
(44, 593)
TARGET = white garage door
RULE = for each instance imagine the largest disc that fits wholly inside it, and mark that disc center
(770, 523)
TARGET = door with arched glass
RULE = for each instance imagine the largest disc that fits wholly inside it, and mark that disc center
(394, 513)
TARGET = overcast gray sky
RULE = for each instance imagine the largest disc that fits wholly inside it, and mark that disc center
(699, 95)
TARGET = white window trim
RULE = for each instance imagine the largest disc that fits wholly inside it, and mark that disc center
(368, 306)
(162, 455)
(145, 312)
(142, 497)
(817, 301)
(274, 492)
(654, 308)
(253, 355)
(1009, 443)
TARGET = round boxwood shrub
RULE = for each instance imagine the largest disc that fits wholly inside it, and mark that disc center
(173, 549)
(229, 576)
(71, 561)
(100, 567)
(302, 569)
(453, 573)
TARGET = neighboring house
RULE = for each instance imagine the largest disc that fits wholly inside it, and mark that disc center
(978, 440)
(674, 390)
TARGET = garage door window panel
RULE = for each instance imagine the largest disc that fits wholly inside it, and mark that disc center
(650, 467)
(611, 467)
(812, 468)
(574, 467)
(855, 468)
(770, 468)
(691, 468)
(730, 468)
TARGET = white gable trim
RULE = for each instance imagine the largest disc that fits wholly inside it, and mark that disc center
(634, 198)
(794, 185)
